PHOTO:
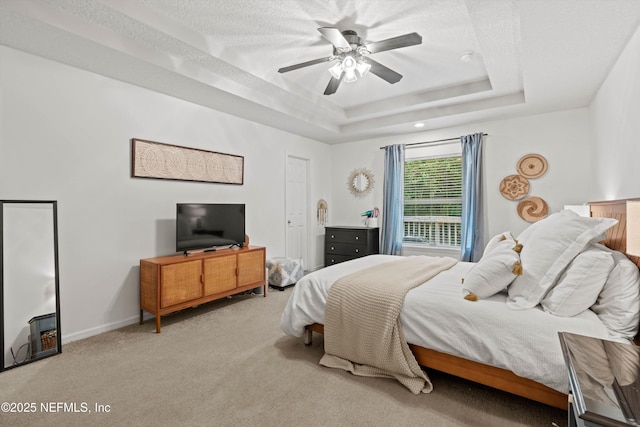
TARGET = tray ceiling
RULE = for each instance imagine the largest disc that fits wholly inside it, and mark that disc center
(531, 56)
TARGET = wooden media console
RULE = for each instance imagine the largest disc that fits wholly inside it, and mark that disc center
(172, 283)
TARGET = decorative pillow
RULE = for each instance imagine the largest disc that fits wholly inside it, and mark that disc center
(493, 242)
(580, 284)
(618, 305)
(494, 272)
(549, 246)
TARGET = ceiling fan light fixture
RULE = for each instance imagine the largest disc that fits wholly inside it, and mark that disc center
(349, 76)
(362, 67)
(363, 51)
(349, 63)
(350, 69)
(336, 70)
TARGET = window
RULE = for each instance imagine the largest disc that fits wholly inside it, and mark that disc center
(433, 201)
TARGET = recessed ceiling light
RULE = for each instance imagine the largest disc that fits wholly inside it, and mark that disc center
(467, 56)
(418, 125)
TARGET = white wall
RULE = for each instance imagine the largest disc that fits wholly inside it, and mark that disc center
(347, 208)
(615, 117)
(563, 138)
(65, 136)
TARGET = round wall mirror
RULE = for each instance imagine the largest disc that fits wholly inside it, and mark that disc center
(360, 182)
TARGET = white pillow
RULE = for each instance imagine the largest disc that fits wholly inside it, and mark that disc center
(494, 272)
(493, 242)
(580, 284)
(549, 245)
(618, 305)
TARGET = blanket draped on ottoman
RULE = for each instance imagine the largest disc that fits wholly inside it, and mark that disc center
(362, 332)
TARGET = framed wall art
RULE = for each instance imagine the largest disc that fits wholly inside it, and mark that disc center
(150, 159)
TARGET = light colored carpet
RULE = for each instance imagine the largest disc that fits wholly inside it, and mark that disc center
(227, 363)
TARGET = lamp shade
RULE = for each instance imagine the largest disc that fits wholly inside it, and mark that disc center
(633, 227)
(582, 210)
(336, 70)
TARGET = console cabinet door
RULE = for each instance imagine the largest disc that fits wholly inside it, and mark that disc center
(251, 267)
(180, 282)
(219, 274)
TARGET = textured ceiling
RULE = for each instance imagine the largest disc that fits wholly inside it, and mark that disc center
(532, 56)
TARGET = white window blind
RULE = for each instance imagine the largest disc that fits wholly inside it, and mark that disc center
(433, 201)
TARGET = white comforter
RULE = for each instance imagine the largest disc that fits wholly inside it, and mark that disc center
(435, 315)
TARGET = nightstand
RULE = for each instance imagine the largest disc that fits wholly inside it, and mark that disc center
(604, 377)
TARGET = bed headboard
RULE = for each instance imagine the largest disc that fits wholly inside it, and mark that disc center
(617, 235)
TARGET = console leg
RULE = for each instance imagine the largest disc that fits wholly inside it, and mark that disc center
(158, 323)
(308, 336)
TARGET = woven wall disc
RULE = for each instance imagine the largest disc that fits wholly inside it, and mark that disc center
(533, 209)
(514, 187)
(532, 166)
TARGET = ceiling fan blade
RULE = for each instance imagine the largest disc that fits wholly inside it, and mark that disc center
(335, 37)
(383, 72)
(394, 43)
(332, 87)
(305, 64)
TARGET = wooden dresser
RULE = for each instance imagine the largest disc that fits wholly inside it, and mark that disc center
(172, 283)
(342, 243)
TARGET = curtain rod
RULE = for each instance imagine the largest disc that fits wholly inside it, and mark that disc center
(430, 142)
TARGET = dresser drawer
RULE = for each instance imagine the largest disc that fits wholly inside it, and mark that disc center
(346, 236)
(330, 259)
(346, 249)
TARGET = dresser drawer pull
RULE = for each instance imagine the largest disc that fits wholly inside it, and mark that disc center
(357, 250)
(333, 236)
(357, 237)
(332, 248)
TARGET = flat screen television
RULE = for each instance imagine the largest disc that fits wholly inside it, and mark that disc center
(208, 225)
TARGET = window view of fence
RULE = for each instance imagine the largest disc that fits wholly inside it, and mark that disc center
(433, 201)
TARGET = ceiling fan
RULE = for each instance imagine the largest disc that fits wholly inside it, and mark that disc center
(353, 58)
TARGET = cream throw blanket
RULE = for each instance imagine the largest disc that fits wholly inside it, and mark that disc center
(362, 331)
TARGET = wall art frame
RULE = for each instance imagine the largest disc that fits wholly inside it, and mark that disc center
(158, 160)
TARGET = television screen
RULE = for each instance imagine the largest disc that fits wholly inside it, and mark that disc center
(207, 225)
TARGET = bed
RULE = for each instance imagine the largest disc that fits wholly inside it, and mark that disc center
(507, 339)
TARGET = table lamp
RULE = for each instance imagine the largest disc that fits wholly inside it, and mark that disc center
(582, 210)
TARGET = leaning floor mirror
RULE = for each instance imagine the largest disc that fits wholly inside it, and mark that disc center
(29, 285)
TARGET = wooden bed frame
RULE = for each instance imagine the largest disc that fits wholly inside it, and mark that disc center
(503, 379)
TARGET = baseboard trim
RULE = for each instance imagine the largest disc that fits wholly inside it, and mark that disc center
(86, 333)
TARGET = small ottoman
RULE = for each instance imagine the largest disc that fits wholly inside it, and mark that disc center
(284, 272)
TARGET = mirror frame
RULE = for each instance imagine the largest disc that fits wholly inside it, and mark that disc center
(54, 205)
(352, 176)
